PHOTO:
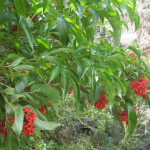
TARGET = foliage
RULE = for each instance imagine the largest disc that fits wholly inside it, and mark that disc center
(47, 47)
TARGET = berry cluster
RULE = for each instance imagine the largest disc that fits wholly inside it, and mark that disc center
(28, 120)
(42, 109)
(3, 129)
(34, 19)
(70, 91)
(124, 116)
(133, 55)
(139, 87)
(101, 102)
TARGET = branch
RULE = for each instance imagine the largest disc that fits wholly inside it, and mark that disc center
(3, 43)
(5, 85)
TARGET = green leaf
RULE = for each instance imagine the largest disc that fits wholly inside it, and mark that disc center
(30, 98)
(76, 31)
(109, 87)
(40, 116)
(41, 41)
(15, 97)
(119, 91)
(2, 138)
(18, 122)
(132, 119)
(115, 110)
(65, 84)
(12, 141)
(93, 88)
(55, 72)
(45, 6)
(95, 14)
(21, 84)
(47, 90)
(134, 3)
(39, 71)
(135, 51)
(81, 47)
(42, 62)
(2, 5)
(49, 101)
(10, 91)
(60, 50)
(78, 7)
(17, 61)
(96, 2)
(116, 25)
(7, 16)
(28, 32)
(19, 5)
(42, 125)
(76, 91)
(72, 73)
(63, 29)
(35, 8)
(23, 67)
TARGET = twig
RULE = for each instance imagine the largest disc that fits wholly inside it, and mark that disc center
(5, 85)
(4, 50)
(5, 42)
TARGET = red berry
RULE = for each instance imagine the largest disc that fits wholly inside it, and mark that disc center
(124, 116)
(70, 91)
(89, 15)
(15, 28)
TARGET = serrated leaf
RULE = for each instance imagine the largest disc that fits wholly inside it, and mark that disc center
(28, 32)
(17, 61)
(63, 29)
(55, 72)
(18, 122)
(21, 84)
(12, 141)
(23, 67)
(47, 90)
(43, 125)
(132, 119)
